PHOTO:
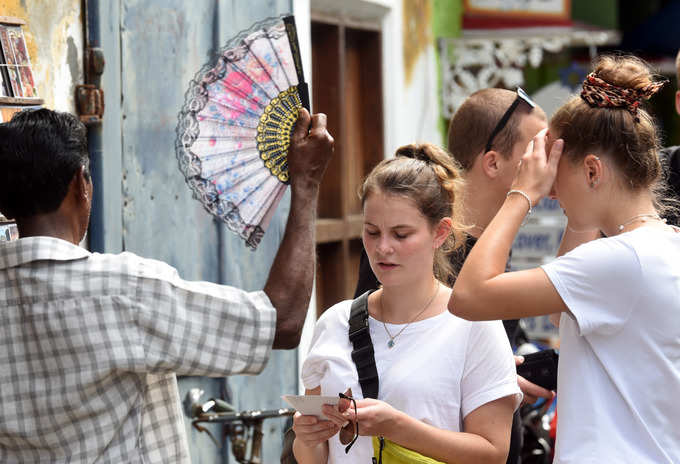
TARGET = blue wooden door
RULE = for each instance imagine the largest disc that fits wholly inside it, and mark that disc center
(157, 46)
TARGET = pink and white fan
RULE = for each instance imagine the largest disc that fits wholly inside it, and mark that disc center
(235, 126)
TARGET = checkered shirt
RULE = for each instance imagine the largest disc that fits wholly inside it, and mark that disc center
(90, 345)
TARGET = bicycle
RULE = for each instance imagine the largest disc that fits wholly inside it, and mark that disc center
(244, 428)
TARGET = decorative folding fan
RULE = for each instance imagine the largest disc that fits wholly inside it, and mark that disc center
(234, 129)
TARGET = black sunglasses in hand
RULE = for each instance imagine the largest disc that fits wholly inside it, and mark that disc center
(356, 423)
(521, 97)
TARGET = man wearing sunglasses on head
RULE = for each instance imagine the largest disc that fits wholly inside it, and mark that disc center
(487, 137)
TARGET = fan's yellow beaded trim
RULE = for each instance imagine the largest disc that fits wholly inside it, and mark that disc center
(274, 131)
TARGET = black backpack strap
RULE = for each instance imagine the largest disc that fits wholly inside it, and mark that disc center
(362, 352)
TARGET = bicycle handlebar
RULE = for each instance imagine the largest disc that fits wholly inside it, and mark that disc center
(243, 416)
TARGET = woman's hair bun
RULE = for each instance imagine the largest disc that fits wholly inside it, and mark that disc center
(620, 81)
(626, 71)
(414, 151)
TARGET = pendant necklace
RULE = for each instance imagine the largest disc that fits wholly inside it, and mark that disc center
(391, 341)
(640, 217)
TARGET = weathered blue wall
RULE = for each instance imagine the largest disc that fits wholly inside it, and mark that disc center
(153, 48)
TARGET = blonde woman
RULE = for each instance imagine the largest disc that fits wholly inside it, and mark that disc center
(447, 387)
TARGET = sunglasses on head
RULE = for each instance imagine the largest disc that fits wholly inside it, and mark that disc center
(521, 97)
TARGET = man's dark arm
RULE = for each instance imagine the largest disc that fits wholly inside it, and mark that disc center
(289, 286)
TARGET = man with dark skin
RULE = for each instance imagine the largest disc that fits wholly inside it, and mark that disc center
(92, 343)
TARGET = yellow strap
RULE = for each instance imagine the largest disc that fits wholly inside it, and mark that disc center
(397, 454)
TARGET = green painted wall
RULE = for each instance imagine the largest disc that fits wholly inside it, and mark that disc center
(447, 18)
(602, 13)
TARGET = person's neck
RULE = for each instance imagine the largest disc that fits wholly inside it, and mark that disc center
(400, 304)
(628, 206)
(480, 205)
(48, 225)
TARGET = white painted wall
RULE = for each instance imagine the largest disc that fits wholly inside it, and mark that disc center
(411, 110)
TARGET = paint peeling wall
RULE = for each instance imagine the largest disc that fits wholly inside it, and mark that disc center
(417, 32)
(153, 49)
(416, 114)
(54, 36)
(413, 97)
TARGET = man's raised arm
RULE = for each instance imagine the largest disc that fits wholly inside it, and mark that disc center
(289, 286)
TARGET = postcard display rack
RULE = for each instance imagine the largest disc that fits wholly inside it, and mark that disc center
(18, 88)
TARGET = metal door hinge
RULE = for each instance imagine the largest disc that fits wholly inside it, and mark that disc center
(90, 97)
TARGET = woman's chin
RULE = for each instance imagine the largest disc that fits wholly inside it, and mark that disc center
(388, 279)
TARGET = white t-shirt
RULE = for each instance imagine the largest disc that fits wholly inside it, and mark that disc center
(439, 370)
(619, 372)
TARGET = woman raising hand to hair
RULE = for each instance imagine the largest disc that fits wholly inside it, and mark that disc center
(618, 297)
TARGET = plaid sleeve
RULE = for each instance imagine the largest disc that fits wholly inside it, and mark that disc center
(201, 328)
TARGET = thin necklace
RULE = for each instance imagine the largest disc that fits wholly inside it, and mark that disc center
(391, 342)
(640, 217)
(580, 231)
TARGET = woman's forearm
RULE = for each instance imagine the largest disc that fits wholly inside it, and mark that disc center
(482, 290)
(487, 259)
(490, 254)
(446, 445)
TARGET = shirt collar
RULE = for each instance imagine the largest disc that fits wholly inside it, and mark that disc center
(25, 250)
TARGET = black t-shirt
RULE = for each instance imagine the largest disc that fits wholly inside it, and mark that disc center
(368, 281)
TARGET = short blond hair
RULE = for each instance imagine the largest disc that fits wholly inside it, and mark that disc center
(677, 67)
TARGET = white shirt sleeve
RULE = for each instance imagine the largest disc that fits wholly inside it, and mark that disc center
(489, 372)
(598, 282)
(326, 346)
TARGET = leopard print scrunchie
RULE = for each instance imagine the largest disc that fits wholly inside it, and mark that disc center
(599, 93)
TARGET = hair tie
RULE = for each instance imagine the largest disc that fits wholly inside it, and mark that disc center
(599, 93)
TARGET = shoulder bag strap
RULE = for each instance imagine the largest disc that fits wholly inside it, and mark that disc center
(362, 352)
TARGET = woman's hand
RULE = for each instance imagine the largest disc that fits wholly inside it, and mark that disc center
(312, 431)
(376, 417)
(537, 170)
(341, 418)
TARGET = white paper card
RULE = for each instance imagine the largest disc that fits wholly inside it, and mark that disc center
(310, 405)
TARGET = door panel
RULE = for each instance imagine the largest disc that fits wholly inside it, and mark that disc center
(163, 43)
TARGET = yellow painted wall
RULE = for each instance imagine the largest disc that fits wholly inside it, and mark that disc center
(54, 36)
